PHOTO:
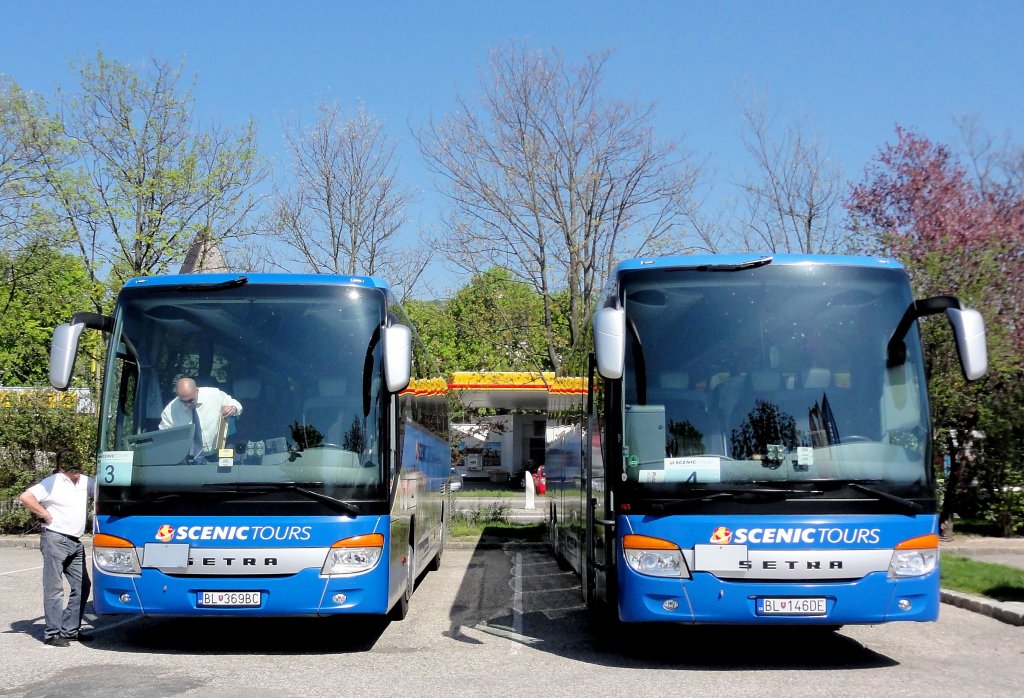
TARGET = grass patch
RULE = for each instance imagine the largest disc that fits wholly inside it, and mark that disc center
(491, 521)
(487, 493)
(997, 582)
(528, 532)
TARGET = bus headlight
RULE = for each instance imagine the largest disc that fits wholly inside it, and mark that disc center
(915, 557)
(654, 556)
(354, 555)
(114, 555)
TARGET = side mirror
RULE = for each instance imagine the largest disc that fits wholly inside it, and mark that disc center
(969, 330)
(63, 350)
(610, 341)
(397, 347)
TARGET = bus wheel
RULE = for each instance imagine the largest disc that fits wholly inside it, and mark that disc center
(401, 609)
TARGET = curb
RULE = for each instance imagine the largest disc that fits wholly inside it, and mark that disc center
(1011, 613)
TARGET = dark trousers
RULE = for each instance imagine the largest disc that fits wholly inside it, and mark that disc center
(63, 556)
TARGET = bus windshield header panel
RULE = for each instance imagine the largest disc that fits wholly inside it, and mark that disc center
(299, 364)
(771, 384)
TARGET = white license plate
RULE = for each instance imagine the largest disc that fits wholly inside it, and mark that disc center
(791, 607)
(230, 598)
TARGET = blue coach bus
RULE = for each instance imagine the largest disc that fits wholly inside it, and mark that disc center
(324, 495)
(759, 450)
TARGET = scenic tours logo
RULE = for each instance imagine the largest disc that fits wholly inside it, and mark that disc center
(721, 535)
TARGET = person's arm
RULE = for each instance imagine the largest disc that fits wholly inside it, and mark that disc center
(230, 402)
(33, 505)
(166, 422)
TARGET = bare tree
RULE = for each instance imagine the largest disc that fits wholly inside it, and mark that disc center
(794, 193)
(346, 209)
(554, 181)
(139, 180)
(995, 161)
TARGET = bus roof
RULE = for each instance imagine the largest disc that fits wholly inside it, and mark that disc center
(753, 259)
(289, 279)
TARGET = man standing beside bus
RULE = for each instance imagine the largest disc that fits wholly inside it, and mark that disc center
(60, 500)
(203, 407)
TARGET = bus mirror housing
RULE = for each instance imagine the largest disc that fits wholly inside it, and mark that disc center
(64, 346)
(969, 330)
(610, 341)
(397, 357)
(63, 350)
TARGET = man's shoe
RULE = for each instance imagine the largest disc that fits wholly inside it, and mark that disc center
(81, 637)
(57, 641)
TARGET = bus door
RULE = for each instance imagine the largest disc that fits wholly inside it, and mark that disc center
(597, 570)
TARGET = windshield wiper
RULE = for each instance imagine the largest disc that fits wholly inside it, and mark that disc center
(750, 264)
(905, 504)
(335, 503)
(167, 496)
(686, 502)
(216, 286)
(757, 493)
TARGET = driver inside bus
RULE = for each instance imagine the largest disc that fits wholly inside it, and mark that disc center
(203, 407)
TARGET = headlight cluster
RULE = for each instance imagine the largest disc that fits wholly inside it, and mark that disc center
(654, 556)
(115, 555)
(354, 555)
(915, 557)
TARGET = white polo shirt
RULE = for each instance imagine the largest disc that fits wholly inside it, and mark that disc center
(66, 502)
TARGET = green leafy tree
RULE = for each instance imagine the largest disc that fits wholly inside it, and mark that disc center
(499, 325)
(37, 433)
(39, 289)
(493, 323)
(436, 328)
(138, 180)
(15, 162)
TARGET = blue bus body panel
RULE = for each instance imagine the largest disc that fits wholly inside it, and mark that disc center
(302, 591)
(708, 598)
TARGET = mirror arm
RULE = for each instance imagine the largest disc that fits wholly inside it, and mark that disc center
(94, 321)
(896, 352)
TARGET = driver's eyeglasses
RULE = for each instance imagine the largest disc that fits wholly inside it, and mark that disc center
(189, 401)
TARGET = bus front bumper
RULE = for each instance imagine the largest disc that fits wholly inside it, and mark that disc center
(707, 599)
(305, 593)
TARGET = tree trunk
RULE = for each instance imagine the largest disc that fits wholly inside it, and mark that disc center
(949, 501)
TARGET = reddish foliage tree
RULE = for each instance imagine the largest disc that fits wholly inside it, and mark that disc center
(960, 234)
(925, 209)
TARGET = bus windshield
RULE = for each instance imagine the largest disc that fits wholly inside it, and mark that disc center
(771, 377)
(302, 363)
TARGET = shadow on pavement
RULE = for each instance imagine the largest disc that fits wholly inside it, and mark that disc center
(275, 636)
(522, 596)
(249, 635)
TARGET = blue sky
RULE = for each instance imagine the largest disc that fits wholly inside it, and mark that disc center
(853, 70)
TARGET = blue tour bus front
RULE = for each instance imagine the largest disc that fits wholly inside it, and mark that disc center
(239, 566)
